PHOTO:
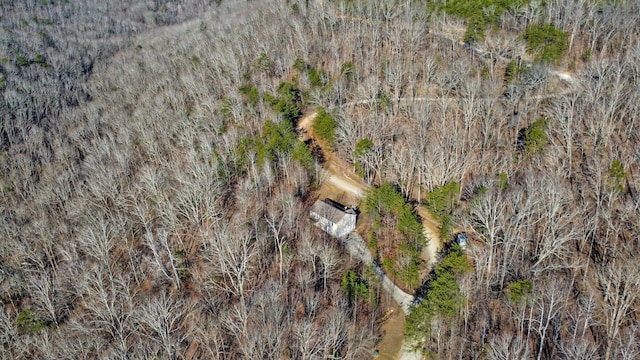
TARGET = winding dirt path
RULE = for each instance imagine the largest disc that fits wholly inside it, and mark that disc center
(340, 175)
(432, 233)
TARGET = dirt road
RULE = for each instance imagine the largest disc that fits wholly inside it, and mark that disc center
(432, 233)
(338, 174)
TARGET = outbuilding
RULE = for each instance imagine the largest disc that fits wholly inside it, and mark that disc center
(334, 218)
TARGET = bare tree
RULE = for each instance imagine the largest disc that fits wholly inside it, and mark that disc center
(164, 320)
(620, 281)
(506, 347)
(547, 310)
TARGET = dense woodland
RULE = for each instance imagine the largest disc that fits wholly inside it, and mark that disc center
(154, 193)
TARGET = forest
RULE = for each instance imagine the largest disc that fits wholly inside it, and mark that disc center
(155, 183)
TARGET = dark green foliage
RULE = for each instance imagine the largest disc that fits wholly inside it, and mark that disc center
(385, 201)
(476, 27)
(302, 154)
(441, 202)
(252, 94)
(276, 139)
(226, 108)
(325, 126)
(443, 297)
(43, 21)
(383, 99)
(29, 323)
(479, 14)
(195, 60)
(518, 291)
(263, 63)
(317, 77)
(362, 147)
(348, 70)
(299, 64)
(455, 262)
(617, 176)
(511, 72)
(504, 181)
(270, 99)
(536, 136)
(21, 60)
(288, 103)
(548, 42)
(446, 227)
(354, 286)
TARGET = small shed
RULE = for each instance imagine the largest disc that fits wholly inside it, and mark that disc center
(334, 218)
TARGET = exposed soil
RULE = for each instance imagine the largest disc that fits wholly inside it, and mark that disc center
(432, 233)
(339, 182)
(392, 334)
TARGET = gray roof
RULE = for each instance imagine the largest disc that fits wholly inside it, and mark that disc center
(330, 210)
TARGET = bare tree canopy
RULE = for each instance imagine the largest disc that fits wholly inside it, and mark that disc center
(156, 178)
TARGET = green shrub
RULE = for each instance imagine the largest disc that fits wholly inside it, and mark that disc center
(518, 291)
(503, 183)
(43, 21)
(443, 199)
(617, 176)
(324, 125)
(29, 323)
(252, 94)
(299, 64)
(383, 99)
(288, 102)
(355, 287)
(536, 136)
(386, 201)
(263, 63)
(362, 147)
(548, 42)
(317, 77)
(302, 154)
(479, 14)
(22, 60)
(511, 72)
(348, 70)
(226, 108)
(441, 202)
(195, 60)
(40, 59)
(276, 139)
(443, 299)
(476, 28)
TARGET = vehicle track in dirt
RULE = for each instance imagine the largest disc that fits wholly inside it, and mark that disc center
(339, 174)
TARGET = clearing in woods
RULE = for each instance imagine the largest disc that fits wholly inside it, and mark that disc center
(339, 182)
